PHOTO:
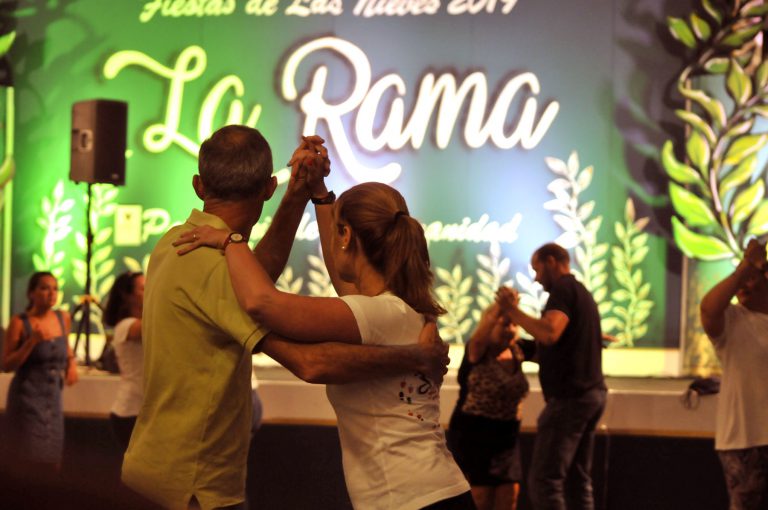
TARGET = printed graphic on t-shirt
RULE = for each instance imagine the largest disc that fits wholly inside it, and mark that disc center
(410, 389)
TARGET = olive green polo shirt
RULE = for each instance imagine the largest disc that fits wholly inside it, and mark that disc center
(192, 433)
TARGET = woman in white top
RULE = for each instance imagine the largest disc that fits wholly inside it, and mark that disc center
(393, 447)
(123, 313)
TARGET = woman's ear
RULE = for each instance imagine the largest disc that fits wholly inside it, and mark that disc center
(346, 235)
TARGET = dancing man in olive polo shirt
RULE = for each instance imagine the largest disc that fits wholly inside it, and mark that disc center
(190, 444)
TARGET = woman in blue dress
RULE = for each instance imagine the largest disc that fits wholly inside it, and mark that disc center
(37, 350)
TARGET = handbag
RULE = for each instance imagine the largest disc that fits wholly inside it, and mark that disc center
(698, 387)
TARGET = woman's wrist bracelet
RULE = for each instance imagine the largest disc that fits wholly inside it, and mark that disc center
(328, 199)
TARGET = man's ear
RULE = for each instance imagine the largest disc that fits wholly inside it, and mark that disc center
(197, 183)
(269, 190)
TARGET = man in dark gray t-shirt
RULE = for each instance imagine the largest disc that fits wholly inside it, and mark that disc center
(569, 350)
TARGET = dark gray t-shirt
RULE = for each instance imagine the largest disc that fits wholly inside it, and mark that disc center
(573, 365)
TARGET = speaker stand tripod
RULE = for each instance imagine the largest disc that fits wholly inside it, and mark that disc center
(87, 300)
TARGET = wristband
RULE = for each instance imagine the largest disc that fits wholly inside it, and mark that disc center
(326, 200)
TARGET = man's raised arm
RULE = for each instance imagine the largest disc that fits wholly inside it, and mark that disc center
(273, 249)
(718, 298)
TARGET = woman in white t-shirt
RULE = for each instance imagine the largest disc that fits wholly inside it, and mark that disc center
(123, 313)
(393, 447)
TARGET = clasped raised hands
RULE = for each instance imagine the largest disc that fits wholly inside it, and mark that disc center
(309, 167)
(507, 298)
(755, 255)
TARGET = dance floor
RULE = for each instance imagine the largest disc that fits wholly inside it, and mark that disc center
(647, 438)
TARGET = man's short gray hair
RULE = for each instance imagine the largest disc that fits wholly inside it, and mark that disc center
(235, 163)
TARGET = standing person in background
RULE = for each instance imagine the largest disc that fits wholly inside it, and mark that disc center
(37, 350)
(569, 347)
(485, 424)
(739, 333)
(123, 313)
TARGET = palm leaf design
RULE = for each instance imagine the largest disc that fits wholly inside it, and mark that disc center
(454, 295)
(491, 274)
(55, 220)
(716, 185)
(580, 227)
(631, 307)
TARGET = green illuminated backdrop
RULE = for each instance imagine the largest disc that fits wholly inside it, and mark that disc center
(505, 124)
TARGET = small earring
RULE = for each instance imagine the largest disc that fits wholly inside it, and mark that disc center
(344, 247)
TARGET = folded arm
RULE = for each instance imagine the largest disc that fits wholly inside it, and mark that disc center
(16, 352)
(338, 363)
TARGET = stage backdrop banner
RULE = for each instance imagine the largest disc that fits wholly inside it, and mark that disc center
(506, 124)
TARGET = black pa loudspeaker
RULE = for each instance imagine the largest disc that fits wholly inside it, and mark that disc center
(97, 152)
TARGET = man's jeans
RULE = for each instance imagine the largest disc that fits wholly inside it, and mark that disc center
(562, 452)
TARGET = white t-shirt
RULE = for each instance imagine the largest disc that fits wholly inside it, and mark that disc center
(393, 447)
(742, 407)
(130, 359)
